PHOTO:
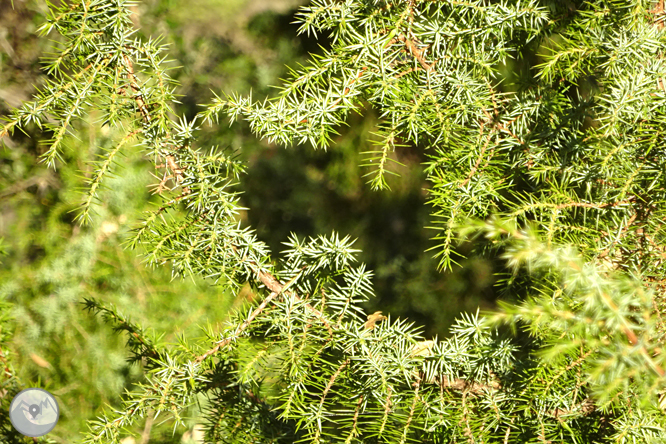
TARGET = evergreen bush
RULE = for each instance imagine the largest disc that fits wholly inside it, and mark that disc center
(543, 124)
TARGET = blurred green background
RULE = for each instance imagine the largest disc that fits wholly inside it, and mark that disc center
(49, 263)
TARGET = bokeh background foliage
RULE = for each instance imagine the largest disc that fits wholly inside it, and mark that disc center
(50, 263)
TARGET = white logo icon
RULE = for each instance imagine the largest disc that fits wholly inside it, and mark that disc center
(34, 412)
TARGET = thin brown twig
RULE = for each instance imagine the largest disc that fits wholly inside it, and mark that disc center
(170, 160)
(387, 409)
(240, 328)
(270, 282)
(417, 386)
(355, 420)
(138, 97)
(334, 376)
(416, 53)
(465, 386)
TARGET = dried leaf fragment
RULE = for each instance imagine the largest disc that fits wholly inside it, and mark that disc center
(40, 361)
(373, 319)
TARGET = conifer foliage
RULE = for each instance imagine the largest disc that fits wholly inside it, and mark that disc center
(543, 124)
